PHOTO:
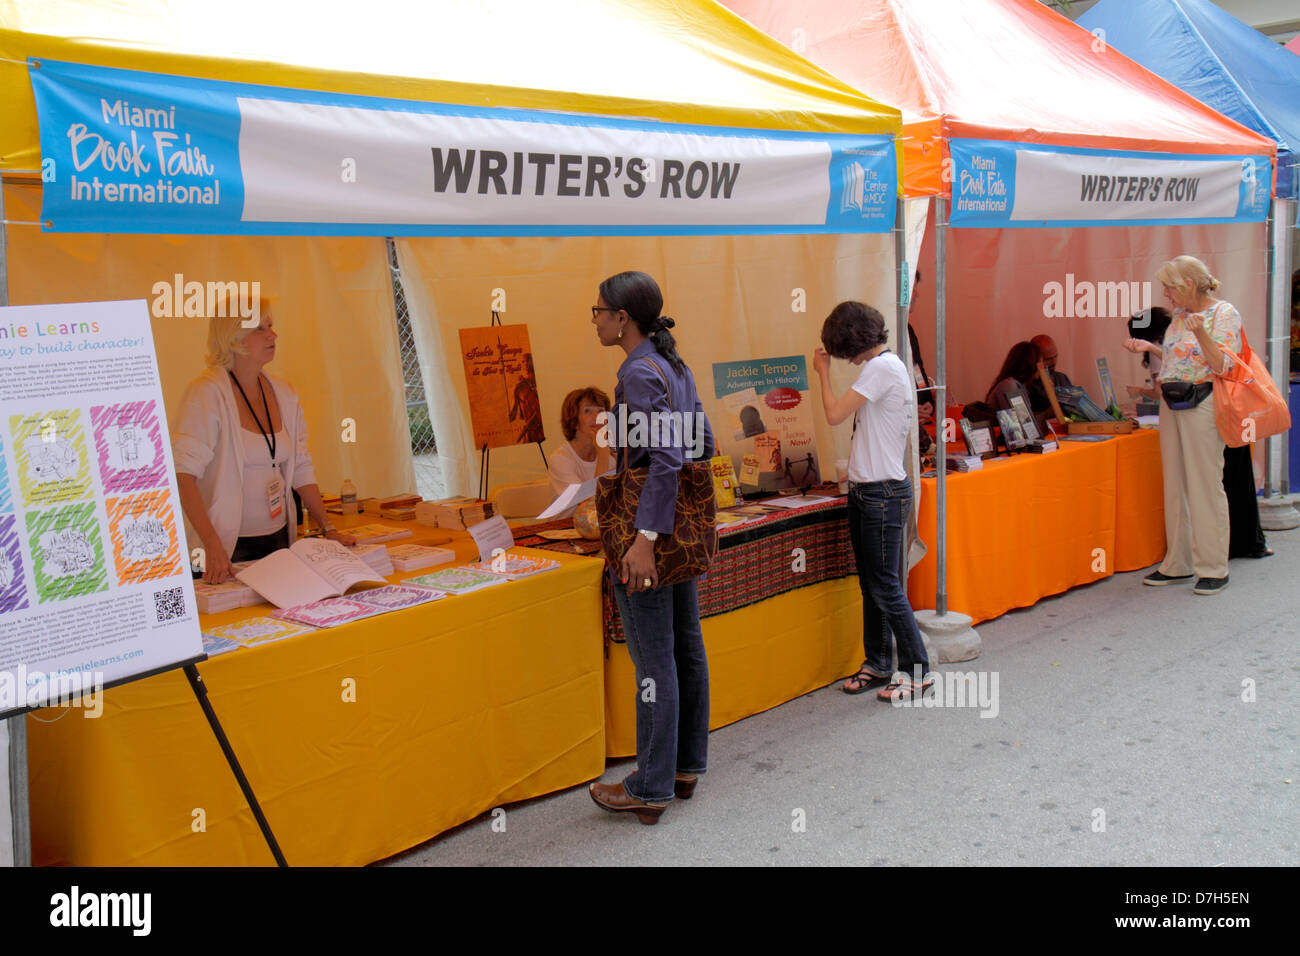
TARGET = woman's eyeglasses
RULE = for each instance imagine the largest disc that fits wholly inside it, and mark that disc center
(600, 308)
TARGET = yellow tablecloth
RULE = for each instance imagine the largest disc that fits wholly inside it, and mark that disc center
(759, 656)
(1023, 528)
(461, 706)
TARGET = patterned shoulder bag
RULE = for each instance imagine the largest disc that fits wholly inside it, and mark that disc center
(689, 550)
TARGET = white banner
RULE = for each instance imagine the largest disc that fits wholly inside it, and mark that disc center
(1002, 183)
(95, 585)
(1054, 186)
(374, 166)
(124, 151)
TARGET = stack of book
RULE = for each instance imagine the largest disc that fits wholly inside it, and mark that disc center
(375, 533)
(215, 598)
(417, 557)
(399, 507)
(454, 513)
(376, 556)
(964, 463)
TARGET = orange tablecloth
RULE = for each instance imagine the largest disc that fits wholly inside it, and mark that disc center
(1139, 501)
(460, 706)
(1034, 525)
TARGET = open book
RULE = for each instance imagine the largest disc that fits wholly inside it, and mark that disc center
(311, 570)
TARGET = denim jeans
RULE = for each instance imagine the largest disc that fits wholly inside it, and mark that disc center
(877, 514)
(662, 628)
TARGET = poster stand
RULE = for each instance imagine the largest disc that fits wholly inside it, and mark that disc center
(485, 453)
(17, 721)
(201, 693)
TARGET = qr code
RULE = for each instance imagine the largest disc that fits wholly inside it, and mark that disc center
(169, 604)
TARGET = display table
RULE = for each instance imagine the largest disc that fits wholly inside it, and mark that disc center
(1139, 501)
(1029, 526)
(771, 632)
(461, 705)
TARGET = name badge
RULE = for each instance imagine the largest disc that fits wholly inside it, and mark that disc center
(275, 496)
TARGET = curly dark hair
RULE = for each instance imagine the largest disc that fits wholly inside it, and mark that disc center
(573, 403)
(853, 328)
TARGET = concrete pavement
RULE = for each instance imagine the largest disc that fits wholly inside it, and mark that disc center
(1121, 737)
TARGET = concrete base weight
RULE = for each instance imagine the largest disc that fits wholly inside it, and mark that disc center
(948, 638)
(1278, 513)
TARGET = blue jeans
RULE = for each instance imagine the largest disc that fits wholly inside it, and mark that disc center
(662, 628)
(877, 512)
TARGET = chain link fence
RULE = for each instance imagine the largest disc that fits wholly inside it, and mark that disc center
(424, 449)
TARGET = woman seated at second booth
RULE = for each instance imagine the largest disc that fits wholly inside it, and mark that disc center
(240, 446)
(1018, 370)
(581, 457)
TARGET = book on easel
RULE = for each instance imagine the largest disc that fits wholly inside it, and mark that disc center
(309, 571)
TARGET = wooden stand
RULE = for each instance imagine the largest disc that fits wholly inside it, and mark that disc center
(1080, 428)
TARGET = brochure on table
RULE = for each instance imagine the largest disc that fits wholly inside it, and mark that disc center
(94, 582)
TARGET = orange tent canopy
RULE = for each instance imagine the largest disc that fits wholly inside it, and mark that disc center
(995, 69)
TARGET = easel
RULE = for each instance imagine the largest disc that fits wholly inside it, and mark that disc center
(16, 721)
(485, 453)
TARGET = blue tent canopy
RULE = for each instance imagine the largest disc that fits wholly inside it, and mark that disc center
(1216, 58)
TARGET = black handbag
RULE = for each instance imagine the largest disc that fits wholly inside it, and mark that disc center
(1180, 396)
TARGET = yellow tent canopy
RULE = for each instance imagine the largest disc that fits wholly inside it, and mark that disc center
(686, 61)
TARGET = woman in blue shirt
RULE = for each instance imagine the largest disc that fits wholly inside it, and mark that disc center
(662, 625)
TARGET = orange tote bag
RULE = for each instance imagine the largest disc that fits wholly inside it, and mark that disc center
(1247, 404)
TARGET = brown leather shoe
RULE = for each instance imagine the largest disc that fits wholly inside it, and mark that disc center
(612, 797)
(684, 785)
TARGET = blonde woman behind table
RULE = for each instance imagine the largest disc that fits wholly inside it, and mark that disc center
(240, 446)
(1196, 507)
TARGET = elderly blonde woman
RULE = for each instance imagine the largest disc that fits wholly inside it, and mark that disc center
(240, 445)
(1196, 508)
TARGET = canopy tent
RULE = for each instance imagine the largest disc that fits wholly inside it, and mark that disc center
(1088, 127)
(693, 67)
(583, 73)
(1232, 67)
(1210, 54)
(994, 70)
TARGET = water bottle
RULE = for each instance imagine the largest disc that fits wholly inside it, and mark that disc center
(348, 497)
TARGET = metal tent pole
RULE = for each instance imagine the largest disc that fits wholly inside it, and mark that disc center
(941, 403)
(21, 810)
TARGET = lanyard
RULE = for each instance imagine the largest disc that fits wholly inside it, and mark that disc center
(269, 439)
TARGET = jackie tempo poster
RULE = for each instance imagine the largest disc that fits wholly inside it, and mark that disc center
(94, 578)
(768, 415)
(502, 386)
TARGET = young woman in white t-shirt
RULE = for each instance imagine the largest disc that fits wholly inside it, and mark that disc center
(882, 404)
(581, 457)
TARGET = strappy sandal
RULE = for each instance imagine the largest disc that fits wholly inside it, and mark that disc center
(863, 681)
(903, 687)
